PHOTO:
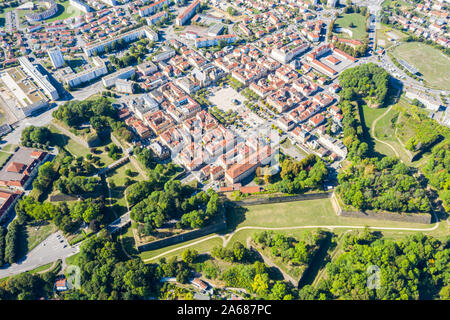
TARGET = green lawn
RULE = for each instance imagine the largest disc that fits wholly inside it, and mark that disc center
(431, 63)
(4, 156)
(65, 10)
(385, 131)
(202, 247)
(77, 149)
(41, 268)
(370, 114)
(393, 3)
(288, 215)
(359, 22)
(35, 233)
(72, 260)
(9, 147)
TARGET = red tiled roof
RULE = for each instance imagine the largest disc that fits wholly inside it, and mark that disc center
(16, 167)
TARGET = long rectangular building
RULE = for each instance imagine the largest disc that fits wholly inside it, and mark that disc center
(41, 80)
(110, 80)
(214, 41)
(132, 35)
(188, 13)
(98, 69)
(152, 8)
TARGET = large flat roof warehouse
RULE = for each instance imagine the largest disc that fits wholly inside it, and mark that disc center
(22, 88)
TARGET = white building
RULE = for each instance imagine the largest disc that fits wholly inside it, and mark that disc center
(110, 80)
(56, 57)
(80, 5)
(124, 86)
(87, 75)
(41, 80)
(98, 47)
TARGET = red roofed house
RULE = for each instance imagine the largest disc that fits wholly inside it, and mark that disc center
(20, 170)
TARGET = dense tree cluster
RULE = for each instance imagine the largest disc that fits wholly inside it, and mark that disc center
(175, 268)
(300, 176)
(353, 130)
(2, 246)
(77, 185)
(417, 267)
(98, 112)
(175, 201)
(75, 113)
(46, 175)
(437, 170)
(11, 253)
(237, 253)
(65, 217)
(255, 279)
(290, 250)
(105, 275)
(26, 286)
(385, 184)
(36, 137)
(364, 81)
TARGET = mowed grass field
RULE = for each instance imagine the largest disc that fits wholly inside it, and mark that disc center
(431, 63)
(359, 22)
(294, 218)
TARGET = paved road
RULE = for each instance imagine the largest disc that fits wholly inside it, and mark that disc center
(50, 250)
(39, 120)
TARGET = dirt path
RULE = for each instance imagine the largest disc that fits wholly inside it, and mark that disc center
(400, 141)
(372, 132)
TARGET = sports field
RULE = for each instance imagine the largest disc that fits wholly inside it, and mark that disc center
(65, 10)
(431, 63)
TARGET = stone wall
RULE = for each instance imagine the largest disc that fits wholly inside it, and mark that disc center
(380, 215)
(157, 244)
(298, 197)
(424, 218)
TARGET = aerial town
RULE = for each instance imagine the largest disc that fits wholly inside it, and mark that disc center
(224, 149)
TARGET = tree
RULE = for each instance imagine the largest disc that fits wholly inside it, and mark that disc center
(189, 255)
(260, 284)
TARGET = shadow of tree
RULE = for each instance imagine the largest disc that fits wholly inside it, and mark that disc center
(235, 215)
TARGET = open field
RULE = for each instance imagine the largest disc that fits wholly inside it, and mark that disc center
(384, 33)
(65, 10)
(76, 149)
(294, 218)
(4, 157)
(392, 3)
(9, 147)
(359, 22)
(431, 63)
(202, 247)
